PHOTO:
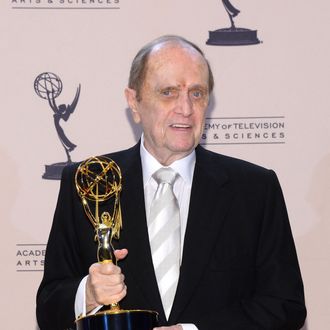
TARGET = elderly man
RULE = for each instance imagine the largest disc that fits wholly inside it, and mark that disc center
(229, 260)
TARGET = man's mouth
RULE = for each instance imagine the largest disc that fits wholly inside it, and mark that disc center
(180, 126)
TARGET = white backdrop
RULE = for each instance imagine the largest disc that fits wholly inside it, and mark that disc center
(284, 82)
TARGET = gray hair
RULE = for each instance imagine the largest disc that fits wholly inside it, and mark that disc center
(139, 65)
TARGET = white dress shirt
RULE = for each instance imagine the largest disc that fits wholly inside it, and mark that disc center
(182, 189)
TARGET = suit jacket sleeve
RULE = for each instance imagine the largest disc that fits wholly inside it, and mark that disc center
(63, 266)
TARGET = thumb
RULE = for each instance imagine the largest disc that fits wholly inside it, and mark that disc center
(121, 254)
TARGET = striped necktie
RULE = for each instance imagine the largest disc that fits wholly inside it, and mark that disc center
(164, 235)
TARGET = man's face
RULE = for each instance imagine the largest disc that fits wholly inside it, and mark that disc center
(173, 101)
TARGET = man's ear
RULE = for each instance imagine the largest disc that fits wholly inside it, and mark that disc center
(133, 104)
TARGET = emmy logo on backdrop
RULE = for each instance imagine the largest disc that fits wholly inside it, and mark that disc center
(232, 36)
(49, 86)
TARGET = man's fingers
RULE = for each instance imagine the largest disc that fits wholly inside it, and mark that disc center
(105, 284)
(110, 295)
(107, 268)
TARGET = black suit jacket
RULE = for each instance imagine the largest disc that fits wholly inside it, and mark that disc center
(239, 268)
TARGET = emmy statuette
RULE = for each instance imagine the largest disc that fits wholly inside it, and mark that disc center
(99, 180)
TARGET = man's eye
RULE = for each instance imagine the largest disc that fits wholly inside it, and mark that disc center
(169, 92)
(197, 94)
(166, 92)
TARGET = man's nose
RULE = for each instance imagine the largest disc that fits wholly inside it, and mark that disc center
(185, 105)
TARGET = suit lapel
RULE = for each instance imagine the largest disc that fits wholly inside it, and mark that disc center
(210, 197)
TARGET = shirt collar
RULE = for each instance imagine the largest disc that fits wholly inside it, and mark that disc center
(184, 166)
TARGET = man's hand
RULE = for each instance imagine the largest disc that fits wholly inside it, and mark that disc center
(105, 283)
(172, 327)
